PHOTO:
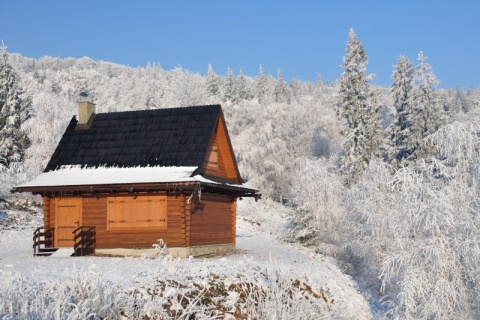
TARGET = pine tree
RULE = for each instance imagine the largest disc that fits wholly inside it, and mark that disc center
(427, 116)
(231, 94)
(281, 92)
(460, 102)
(243, 90)
(359, 108)
(14, 110)
(398, 133)
(212, 82)
(261, 86)
(319, 81)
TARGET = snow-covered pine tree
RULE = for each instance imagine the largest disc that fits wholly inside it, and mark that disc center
(230, 92)
(261, 86)
(427, 115)
(460, 102)
(212, 83)
(398, 133)
(281, 92)
(358, 106)
(14, 110)
(244, 92)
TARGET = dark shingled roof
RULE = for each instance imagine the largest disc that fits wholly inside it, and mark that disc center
(163, 137)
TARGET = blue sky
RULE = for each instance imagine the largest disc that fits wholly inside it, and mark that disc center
(302, 38)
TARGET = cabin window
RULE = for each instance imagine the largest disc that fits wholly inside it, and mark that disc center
(136, 212)
(213, 158)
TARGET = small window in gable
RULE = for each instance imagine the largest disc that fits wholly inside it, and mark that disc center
(213, 158)
(136, 212)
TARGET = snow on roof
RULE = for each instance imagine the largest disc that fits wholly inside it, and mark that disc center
(205, 180)
(77, 176)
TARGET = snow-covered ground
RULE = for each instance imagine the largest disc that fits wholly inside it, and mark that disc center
(293, 281)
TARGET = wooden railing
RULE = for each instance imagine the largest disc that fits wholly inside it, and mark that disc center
(43, 241)
(84, 241)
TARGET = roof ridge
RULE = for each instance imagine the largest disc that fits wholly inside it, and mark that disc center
(173, 108)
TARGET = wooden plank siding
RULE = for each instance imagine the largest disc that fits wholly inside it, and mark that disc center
(226, 163)
(214, 223)
(220, 170)
(68, 212)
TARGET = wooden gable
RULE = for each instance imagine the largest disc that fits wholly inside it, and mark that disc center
(220, 160)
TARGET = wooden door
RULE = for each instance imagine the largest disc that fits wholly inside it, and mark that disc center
(68, 217)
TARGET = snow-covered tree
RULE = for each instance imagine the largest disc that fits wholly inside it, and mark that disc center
(460, 102)
(398, 133)
(427, 114)
(14, 110)
(261, 86)
(230, 92)
(358, 106)
(244, 92)
(281, 91)
(319, 219)
(212, 83)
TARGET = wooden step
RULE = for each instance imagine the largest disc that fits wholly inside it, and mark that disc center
(63, 252)
(42, 254)
(51, 250)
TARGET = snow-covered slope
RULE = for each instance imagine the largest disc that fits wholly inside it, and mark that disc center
(290, 281)
(258, 228)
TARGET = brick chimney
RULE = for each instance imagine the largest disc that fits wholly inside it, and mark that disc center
(86, 108)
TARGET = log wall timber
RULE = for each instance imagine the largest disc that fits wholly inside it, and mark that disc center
(46, 212)
(212, 221)
(188, 223)
(233, 210)
(51, 212)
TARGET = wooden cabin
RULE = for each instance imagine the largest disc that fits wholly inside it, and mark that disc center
(132, 178)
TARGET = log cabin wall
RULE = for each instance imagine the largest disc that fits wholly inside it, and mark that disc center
(49, 212)
(188, 222)
(213, 220)
(46, 212)
(94, 213)
(233, 209)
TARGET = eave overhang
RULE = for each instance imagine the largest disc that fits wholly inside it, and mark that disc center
(170, 188)
(131, 180)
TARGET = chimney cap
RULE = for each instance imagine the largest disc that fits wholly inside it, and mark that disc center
(85, 96)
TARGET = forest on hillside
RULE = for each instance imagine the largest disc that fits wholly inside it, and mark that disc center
(384, 179)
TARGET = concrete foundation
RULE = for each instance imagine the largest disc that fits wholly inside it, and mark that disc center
(181, 252)
(196, 251)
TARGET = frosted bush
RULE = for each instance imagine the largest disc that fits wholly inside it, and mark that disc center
(417, 231)
(320, 211)
(83, 295)
(174, 289)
